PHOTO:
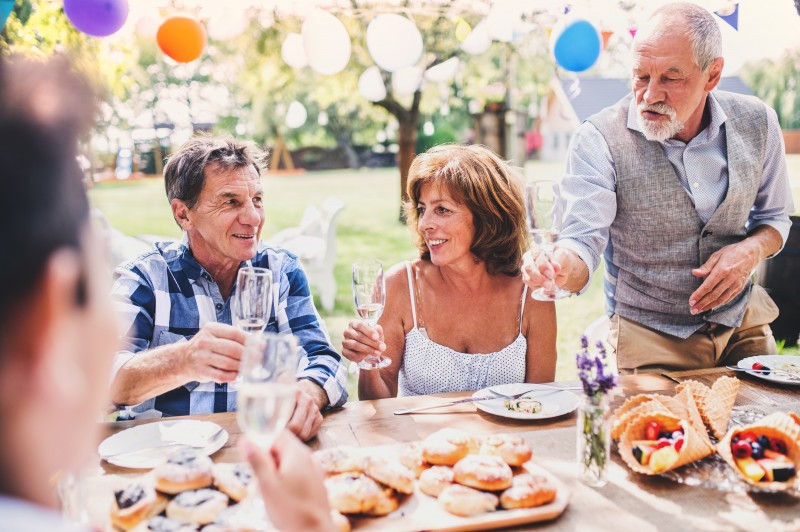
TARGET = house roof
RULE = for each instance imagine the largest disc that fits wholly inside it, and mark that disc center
(589, 95)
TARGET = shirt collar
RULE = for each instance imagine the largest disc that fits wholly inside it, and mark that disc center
(192, 269)
(718, 118)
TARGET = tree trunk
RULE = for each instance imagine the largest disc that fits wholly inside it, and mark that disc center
(350, 153)
(407, 141)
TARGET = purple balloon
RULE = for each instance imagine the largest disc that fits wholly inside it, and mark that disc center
(98, 18)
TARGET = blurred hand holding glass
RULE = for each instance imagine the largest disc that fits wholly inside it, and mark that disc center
(369, 295)
(267, 392)
(545, 211)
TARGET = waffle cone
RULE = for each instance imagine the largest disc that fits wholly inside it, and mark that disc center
(718, 405)
(695, 445)
(795, 417)
(776, 425)
(632, 402)
(686, 398)
(622, 422)
(698, 390)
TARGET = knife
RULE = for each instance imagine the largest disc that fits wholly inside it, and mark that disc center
(448, 403)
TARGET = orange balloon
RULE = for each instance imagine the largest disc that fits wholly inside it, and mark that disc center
(182, 38)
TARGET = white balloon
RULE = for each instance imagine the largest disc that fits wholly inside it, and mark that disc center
(293, 51)
(228, 25)
(147, 27)
(296, 115)
(478, 41)
(444, 71)
(326, 42)
(370, 84)
(501, 20)
(394, 42)
(406, 80)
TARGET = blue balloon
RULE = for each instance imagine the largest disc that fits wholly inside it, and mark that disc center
(5, 11)
(578, 46)
(98, 18)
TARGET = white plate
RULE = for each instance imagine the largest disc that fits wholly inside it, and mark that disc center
(145, 446)
(773, 362)
(554, 402)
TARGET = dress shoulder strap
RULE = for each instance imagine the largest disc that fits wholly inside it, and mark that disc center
(522, 306)
(411, 292)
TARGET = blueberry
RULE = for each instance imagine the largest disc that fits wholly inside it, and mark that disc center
(735, 439)
(763, 441)
(757, 451)
(664, 434)
(765, 370)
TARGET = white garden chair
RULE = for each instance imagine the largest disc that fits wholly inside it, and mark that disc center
(314, 243)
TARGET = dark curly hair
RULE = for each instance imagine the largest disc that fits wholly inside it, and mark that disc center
(476, 177)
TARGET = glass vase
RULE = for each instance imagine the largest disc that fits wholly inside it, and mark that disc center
(594, 440)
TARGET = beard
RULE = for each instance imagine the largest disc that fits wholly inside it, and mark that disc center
(659, 130)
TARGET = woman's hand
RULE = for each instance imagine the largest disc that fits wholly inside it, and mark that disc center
(361, 340)
(291, 484)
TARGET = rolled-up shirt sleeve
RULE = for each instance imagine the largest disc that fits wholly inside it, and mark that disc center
(589, 191)
(135, 305)
(320, 363)
(774, 202)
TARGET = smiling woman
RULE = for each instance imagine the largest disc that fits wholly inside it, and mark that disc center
(458, 318)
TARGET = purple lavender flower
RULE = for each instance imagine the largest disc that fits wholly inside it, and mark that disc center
(593, 371)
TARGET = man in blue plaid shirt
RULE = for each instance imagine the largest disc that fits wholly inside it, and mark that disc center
(180, 350)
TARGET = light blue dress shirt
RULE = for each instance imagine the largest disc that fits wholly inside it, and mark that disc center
(589, 186)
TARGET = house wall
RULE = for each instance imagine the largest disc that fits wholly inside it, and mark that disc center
(557, 127)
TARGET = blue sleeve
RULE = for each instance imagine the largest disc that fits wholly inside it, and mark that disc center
(320, 363)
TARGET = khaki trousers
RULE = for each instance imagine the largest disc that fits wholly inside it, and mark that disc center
(640, 349)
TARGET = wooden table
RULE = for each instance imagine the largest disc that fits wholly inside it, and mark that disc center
(629, 502)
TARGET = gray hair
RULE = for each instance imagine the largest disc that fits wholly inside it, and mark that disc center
(701, 28)
(184, 174)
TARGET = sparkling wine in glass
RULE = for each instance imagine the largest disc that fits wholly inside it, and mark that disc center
(252, 299)
(266, 401)
(545, 212)
(369, 295)
(267, 392)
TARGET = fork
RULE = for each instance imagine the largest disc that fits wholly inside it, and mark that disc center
(460, 401)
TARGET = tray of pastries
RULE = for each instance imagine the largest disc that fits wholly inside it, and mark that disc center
(452, 480)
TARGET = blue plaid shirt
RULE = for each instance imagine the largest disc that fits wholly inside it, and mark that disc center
(165, 296)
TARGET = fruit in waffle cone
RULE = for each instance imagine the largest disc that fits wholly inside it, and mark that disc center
(657, 442)
(765, 453)
(645, 404)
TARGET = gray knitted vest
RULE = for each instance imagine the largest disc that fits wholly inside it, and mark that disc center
(657, 237)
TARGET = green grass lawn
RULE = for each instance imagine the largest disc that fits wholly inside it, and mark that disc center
(366, 228)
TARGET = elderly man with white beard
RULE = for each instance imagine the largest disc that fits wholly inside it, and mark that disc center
(683, 191)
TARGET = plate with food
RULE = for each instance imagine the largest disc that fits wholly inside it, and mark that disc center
(783, 369)
(540, 401)
(146, 446)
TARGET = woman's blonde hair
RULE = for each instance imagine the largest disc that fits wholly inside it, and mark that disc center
(477, 178)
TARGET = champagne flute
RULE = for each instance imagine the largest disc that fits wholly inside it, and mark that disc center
(544, 207)
(267, 393)
(369, 294)
(251, 301)
(266, 401)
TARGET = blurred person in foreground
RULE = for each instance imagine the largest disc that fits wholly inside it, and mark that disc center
(180, 350)
(459, 317)
(57, 328)
(684, 191)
